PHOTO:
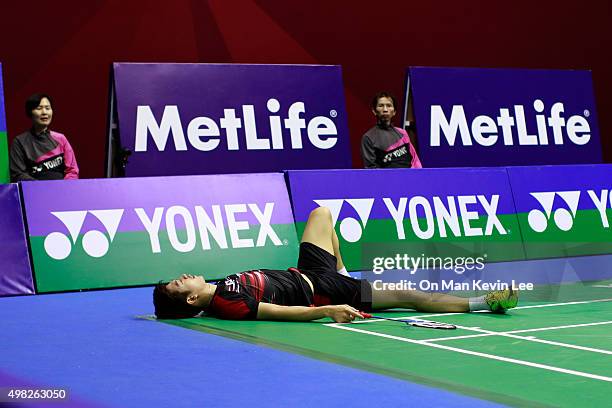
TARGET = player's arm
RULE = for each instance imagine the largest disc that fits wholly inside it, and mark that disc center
(339, 313)
(71, 171)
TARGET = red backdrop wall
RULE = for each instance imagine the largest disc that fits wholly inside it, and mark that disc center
(65, 48)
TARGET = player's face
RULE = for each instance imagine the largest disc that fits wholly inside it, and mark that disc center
(42, 114)
(385, 110)
(186, 285)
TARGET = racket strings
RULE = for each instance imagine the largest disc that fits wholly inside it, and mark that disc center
(416, 322)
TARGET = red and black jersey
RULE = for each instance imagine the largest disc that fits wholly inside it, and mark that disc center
(238, 295)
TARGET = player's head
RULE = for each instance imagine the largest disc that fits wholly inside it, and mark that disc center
(383, 107)
(178, 298)
(38, 107)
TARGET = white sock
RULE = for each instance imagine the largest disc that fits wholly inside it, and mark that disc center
(343, 272)
(478, 303)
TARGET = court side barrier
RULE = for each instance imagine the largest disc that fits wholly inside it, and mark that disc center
(4, 163)
(564, 211)
(454, 229)
(419, 213)
(15, 271)
(540, 224)
(104, 233)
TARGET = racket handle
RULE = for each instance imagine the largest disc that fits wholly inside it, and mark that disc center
(365, 315)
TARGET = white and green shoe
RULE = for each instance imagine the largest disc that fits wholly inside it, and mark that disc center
(501, 300)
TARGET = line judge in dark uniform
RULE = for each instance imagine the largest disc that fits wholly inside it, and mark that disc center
(384, 145)
(41, 153)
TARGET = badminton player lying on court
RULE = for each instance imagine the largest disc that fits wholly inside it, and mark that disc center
(319, 287)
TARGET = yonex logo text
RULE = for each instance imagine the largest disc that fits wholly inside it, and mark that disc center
(209, 224)
(183, 227)
(452, 215)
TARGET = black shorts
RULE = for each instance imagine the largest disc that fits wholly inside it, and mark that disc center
(330, 287)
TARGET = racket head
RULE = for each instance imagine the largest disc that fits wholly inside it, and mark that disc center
(430, 325)
(414, 322)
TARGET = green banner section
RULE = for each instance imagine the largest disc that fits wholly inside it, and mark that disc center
(4, 164)
(130, 261)
(589, 234)
(380, 240)
(4, 159)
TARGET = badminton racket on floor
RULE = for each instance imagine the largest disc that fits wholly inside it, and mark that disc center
(414, 322)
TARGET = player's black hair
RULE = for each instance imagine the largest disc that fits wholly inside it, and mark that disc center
(171, 307)
(383, 94)
(33, 101)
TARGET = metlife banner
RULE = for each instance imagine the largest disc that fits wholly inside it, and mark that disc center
(182, 119)
(564, 211)
(415, 216)
(4, 163)
(136, 231)
(469, 117)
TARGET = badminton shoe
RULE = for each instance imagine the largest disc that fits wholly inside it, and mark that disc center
(501, 300)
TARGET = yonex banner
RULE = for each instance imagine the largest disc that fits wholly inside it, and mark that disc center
(4, 166)
(564, 210)
(497, 117)
(180, 119)
(136, 231)
(429, 213)
(15, 271)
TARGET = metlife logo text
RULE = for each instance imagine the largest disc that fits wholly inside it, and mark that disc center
(188, 229)
(236, 131)
(450, 216)
(509, 127)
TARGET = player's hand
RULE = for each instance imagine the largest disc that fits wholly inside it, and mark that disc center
(343, 313)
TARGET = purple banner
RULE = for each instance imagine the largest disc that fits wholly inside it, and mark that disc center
(420, 213)
(2, 114)
(564, 210)
(135, 231)
(16, 274)
(148, 194)
(374, 185)
(596, 179)
(4, 148)
(498, 117)
(180, 119)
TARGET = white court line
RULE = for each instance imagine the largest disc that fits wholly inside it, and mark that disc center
(467, 336)
(478, 354)
(559, 327)
(492, 333)
(533, 339)
(484, 311)
(581, 302)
